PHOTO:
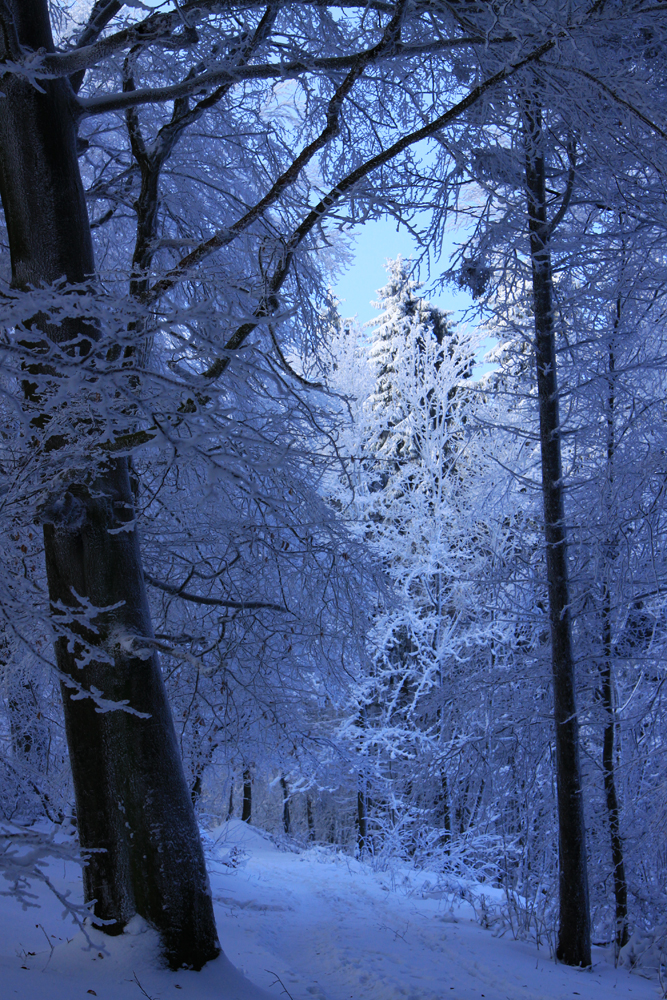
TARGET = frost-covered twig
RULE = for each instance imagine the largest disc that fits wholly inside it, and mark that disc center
(24, 855)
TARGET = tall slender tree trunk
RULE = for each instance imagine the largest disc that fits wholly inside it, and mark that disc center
(609, 777)
(574, 933)
(133, 805)
(606, 682)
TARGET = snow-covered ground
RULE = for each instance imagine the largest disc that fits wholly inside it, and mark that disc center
(311, 925)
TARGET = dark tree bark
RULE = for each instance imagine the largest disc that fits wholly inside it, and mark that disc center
(574, 933)
(246, 812)
(606, 685)
(362, 816)
(287, 824)
(446, 812)
(609, 776)
(230, 806)
(132, 798)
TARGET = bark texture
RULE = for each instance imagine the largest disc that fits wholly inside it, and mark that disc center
(132, 799)
(574, 932)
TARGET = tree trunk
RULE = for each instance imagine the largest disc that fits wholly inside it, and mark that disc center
(574, 934)
(362, 816)
(230, 807)
(246, 812)
(606, 685)
(446, 812)
(287, 824)
(133, 804)
(608, 746)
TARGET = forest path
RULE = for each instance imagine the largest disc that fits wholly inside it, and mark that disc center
(311, 925)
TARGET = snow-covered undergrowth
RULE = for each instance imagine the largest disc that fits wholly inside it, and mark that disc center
(307, 924)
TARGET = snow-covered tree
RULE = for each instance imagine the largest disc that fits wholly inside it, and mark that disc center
(124, 338)
(173, 185)
(420, 475)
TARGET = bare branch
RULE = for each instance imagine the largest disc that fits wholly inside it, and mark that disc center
(225, 237)
(621, 100)
(155, 28)
(169, 134)
(103, 11)
(567, 196)
(86, 55)
(267, 71)
(214, 602)
(289, 176)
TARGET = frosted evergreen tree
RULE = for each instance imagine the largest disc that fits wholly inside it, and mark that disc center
(439, 719)
(416, 473)
(410, 336)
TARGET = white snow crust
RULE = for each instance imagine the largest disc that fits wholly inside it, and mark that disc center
(307, 924)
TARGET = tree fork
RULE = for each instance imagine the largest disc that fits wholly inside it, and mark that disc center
(131, 794)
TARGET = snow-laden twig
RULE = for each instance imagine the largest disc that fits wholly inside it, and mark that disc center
(24, 856)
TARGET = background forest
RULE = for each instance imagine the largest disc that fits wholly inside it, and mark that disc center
(399, 609)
